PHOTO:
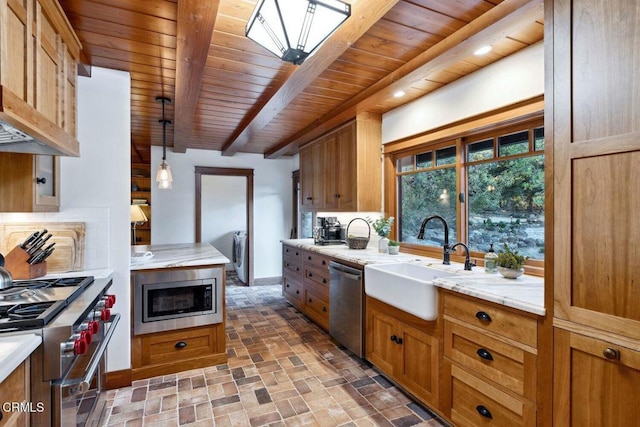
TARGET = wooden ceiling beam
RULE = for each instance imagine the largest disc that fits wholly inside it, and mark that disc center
(364, 14)
(196, 19)
(489, 27)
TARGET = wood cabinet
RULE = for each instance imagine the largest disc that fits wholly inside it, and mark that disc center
(38, 70)
(341, 171)
(305, 283)
(15, 388)
(490, 363)
(30, 182)
(593, 143)
(141, 183)
(177, 350)
(405, 348)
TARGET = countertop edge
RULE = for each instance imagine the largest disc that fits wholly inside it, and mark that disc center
(26, 344)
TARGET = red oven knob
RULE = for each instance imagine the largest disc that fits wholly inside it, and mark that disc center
(86, 336)
(79, 346)
(93, 326)
(112, 298)
(105, 314)
(106, 302)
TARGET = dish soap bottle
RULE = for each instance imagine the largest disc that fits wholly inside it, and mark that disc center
(490, 259)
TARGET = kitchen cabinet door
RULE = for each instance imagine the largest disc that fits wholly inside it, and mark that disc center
(596, 382)
(418, 364)
(382, 349)
(311, 176)
(31, 183)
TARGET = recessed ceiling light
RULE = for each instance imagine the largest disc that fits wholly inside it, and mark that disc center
(483, 50)
(399, 94)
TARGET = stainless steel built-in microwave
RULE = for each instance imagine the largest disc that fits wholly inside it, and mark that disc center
(176, 299)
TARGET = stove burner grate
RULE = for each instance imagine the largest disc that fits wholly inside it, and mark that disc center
(28, 311)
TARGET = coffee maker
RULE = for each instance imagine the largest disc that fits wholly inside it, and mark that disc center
(328, 231)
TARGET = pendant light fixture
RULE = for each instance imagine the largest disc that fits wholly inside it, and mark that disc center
(163, 177)
(293, 29)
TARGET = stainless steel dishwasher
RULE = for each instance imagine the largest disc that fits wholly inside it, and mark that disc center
(346, 305)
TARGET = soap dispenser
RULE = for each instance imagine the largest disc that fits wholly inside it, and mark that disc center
(490, 259)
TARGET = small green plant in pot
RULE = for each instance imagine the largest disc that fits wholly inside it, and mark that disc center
(509, 263)
(382, 226)
(394, 247)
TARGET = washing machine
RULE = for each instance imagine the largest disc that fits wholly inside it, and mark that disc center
(240, 255)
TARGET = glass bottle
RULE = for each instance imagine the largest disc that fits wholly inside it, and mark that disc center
(490, 259)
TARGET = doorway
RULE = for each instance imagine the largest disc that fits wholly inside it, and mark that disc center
(224, 206)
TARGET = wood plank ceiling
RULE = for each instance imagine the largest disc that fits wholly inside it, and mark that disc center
(234, 96)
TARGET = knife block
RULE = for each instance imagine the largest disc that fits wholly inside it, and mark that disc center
(16, 262)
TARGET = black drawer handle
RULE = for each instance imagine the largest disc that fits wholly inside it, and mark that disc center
(309, 275)
(324, 280)
(287, 285)
(180, 345)
(297, 291)
(309, 257)
(41, 180)
(309, 198)
(296, 253)
(483, 353)
(297, 268)
(324, 309)
(399, 340)
(324, 262)
(483, 317)
(484, 411)
(394, 338)
(310, 300)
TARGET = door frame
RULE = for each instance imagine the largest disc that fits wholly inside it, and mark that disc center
(248, 174)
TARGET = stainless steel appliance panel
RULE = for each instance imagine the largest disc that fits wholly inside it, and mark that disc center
(143, 281)
(346, 307)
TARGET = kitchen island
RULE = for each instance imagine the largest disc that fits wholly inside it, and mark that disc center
(177, 296)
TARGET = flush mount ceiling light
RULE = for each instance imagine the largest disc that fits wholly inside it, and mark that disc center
(293, 29)
(163, 177)
(483, 50)
(399, 94)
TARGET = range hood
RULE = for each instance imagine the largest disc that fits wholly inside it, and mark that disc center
(23, 129)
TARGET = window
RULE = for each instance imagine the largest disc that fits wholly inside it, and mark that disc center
(425, 191)
(501, 187)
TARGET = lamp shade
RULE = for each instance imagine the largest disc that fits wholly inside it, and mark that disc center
(293, 29)
(163, 176)
(137, 215)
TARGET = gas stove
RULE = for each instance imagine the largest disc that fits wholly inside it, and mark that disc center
(32, 304)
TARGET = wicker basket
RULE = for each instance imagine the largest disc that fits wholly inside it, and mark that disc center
(358, 242)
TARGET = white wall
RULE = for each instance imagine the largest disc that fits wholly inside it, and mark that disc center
(515, 78)
(224, 210)
(174, 210)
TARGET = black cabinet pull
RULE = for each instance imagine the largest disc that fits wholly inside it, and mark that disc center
(483, 317)
(483, 353)
(297, 291)
(309, 257)
(42, 180)
(297, 268)
(484, 411)
(287, 285)
(180, 344)
(399, 340)
(324, 262)
(310, 300)
(310, 275)
(324, 280)
(611, 354)
(394, 338)
(309, 198)
(324, 309)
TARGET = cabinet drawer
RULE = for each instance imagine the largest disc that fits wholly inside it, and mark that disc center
(292, 252)
(507, 365)
(173, 346)
(476, 403)
(292, 266)
(316, 306)
(317, 276)
(292, 290)
(317, 260)
(488, 317)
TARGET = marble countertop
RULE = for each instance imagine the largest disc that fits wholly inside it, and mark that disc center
(525, 293)
(14, 350)
(175, 255)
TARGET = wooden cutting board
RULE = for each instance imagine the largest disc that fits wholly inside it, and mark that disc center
(68, 236)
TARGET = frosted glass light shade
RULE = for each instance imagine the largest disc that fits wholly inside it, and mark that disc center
(163, 177)
(293, 29)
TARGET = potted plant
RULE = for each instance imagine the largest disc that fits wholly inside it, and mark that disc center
(509, 263)
(394, 247)
(382, 226)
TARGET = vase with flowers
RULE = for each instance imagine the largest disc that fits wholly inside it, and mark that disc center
(382, 226)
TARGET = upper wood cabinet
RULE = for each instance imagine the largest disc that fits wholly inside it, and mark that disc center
(593, 145)
(30, 183)
(39, 54)
(342, 170)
